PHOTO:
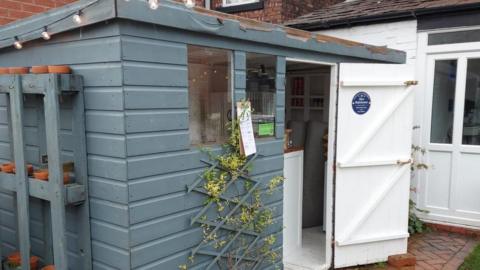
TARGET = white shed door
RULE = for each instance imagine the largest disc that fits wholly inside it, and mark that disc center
(374, 138)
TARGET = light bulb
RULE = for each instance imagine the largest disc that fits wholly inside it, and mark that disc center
(77, 18)
(189, 3)
(46, 35)
(17, 44)
(153, 4)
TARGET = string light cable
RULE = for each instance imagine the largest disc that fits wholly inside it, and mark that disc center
(77, 17)
(43, 30)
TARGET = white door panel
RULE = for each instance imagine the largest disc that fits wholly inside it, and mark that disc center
(449, 189)
(373, 172)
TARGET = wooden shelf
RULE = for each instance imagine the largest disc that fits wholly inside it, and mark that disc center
(74, 193)
(38, 83)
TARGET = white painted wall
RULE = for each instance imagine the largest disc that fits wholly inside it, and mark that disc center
(395, 35)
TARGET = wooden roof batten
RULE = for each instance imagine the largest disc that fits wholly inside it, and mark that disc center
(175, 14)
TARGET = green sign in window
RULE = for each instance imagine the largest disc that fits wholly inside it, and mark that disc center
(266, 129)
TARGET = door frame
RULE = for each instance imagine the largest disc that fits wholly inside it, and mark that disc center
(447, 215)
(332, 128)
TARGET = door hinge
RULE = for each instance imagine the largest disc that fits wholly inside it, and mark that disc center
(412, 82)
(404, 162)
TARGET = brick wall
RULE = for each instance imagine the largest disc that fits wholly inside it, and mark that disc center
(278, 11)
(11, 10)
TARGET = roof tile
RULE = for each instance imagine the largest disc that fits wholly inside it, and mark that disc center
(354, 10)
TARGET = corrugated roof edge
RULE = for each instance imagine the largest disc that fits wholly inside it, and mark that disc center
(174, 14)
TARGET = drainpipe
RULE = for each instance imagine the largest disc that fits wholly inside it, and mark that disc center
(208, 4)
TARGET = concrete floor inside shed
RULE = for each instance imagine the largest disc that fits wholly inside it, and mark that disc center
(312, 254)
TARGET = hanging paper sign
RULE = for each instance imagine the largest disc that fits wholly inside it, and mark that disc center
(361, 103)
(247, 138)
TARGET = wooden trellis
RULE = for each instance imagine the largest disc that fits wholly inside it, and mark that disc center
(52, 87)
(237, 200)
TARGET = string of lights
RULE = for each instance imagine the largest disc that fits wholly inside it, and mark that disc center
(77, 17)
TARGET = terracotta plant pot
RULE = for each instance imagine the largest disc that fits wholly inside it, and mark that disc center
(8, 168)
(18, 70)
(15, 260)
(4, 71)
(49, 267)
(39, 69)
(59, 69)
(66, 178)
(41, 175)
(29, 169)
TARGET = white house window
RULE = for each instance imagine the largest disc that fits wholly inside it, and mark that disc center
(238, 2)
(209, 93)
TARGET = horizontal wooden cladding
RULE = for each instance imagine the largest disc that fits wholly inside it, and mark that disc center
(161, 249)
(158, 142)
(149, 209)
(99, 50)
(151, 230)
(173, 261)
(151, 50)
(100, 74)
(148, 74)
(110, 257)
(109, 190)
(106, 167)
(155, 97)
(32, 153)
(111, 234)
(105, 122)
(110, 212)
(104, 98)
(150, 165)
(165, 246)
(107, 145)
(156, 120)
(30, 117)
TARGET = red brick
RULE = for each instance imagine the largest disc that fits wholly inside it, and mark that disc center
(11, 5)
(402, 260)
(33, 8)
(11, 10)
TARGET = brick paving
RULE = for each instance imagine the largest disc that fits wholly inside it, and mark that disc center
(440, 250)
(436, 250)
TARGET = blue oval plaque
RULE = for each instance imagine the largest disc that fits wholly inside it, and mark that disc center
(361, 103)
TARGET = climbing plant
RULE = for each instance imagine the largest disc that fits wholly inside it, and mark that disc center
(235, 219)
(415, 224)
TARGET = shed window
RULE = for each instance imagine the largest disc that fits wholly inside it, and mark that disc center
(454, 37)
(261, 89)
(209, 91)
(238, 2)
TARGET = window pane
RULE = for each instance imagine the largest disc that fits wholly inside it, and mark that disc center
(261, 72)
(454, 37)
(443, 101)
(209, 94)
(471, 122)
(238, 2)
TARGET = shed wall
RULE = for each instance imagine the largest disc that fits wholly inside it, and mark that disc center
(93, 52)
(160, 160)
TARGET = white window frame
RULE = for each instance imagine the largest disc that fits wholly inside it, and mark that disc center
(244, 2)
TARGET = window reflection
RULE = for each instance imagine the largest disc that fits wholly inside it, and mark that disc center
(443, 101)
(261, 72)
(209, 94)
(471, 117)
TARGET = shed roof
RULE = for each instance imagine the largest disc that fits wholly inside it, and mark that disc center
(369, 11)
(175, 14)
